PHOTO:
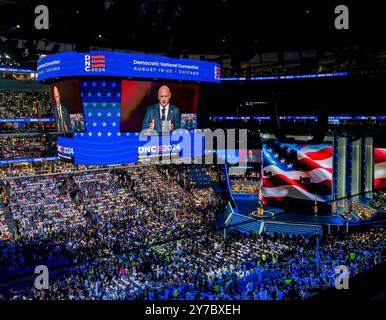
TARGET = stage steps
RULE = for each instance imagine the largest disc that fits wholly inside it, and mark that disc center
(247, 225)
(244, 223)
(291, 228)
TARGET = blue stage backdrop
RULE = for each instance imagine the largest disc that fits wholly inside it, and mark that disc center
(103, 143)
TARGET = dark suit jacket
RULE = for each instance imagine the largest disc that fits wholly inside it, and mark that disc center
(66, 119)
(153, 112)
(189, 125)
(251, 158)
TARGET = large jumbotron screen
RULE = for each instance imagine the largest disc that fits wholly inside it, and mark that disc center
(114, 115)
(106, 117)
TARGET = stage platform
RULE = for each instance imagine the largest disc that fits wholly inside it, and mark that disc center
(245, 207)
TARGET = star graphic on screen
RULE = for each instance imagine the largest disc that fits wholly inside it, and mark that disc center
(99, 134)
(118, 134)
(290, 165)
(109, 134)
(94, 124)
(118, 114)
(90, 114)
(104, 124)
(90, 134)
(276, 155)
(114, 124)
(99, 114)
(109, 114)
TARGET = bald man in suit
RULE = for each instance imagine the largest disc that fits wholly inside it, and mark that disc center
(61, 115)
(162, 117)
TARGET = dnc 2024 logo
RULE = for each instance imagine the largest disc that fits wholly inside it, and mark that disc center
(65, 150)
(95, 63)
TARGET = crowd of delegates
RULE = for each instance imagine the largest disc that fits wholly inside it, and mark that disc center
(244, 187)
(4, 200)
(215, 173)
(137, 233)
(362, 211)
(245, 182)
(99, 213)
(26, 146)
(24, 104)
(346, 215)
(255, 267)
(379, 200)
(4, 232)
(27, 127)
(44, 167)
(40, 207)
(199, 176)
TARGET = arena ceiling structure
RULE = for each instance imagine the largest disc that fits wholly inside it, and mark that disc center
(177, 27)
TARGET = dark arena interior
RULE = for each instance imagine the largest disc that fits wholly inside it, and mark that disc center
(217, 152)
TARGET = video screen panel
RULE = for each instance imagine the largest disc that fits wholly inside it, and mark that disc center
(296, 174)
(156, 108)
(379, 168)
(105, 144)
(250, 155)
(67, 107)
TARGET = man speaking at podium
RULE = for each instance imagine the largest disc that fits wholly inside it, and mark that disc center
(162, 117)
(61, 115)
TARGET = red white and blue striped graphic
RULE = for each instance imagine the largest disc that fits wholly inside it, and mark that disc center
(379, 168)
(98, 61)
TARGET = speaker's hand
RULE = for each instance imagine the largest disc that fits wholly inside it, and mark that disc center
(171, 126)
(151, 125)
